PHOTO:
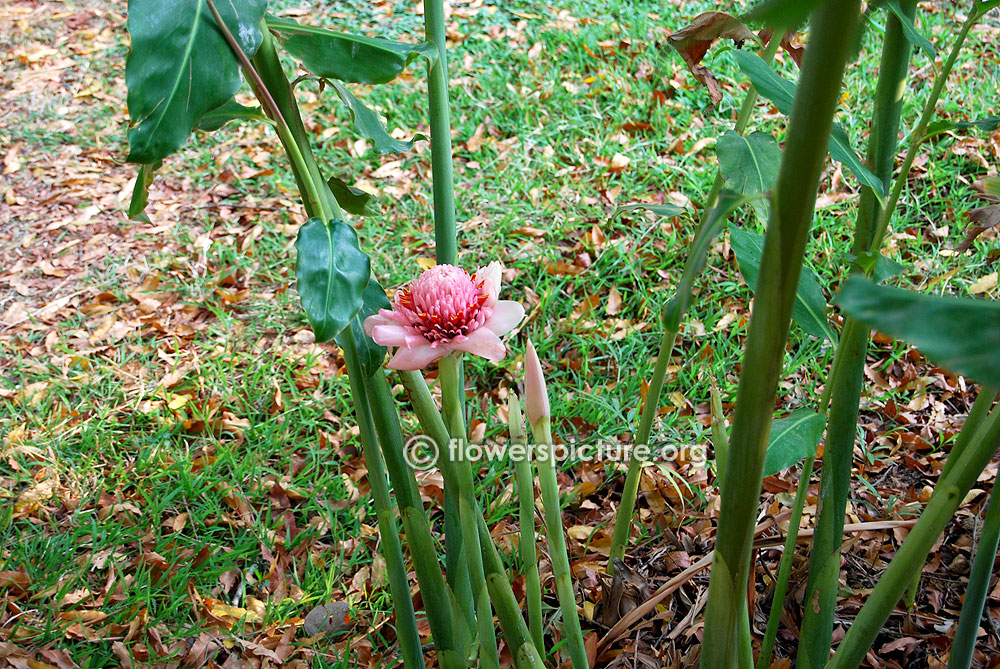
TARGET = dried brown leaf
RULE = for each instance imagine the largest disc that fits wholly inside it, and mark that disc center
(694, 40)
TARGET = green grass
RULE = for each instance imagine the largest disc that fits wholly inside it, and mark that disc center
(127, 466)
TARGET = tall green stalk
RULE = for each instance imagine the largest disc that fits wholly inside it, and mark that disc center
(846, 382)
(626, 507)
(275, 93)
(406, 625)
(785, 567)
(450, 374)
(784, 247)
(964, 643)
(511, 623)
(950, 492)
(446, 248)
(440, 125)
(525, 479)
(542, 432)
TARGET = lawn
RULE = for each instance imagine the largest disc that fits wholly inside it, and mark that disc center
(181, 480)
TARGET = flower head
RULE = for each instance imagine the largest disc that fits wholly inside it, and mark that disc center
(446, 310)
(536, 397)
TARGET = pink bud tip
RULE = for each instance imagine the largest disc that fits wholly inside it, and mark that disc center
(536, 398)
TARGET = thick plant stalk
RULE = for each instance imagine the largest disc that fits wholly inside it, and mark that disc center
(784, 247)
(919, 133)
(846, 380)
(536, 406)
(526, 518)
(406, 625)
(450, 375)
(785, 567)
(440, 125)
(979, 584)
(980, 409)
(626, 507)
(275, 95)
(942, 506)
(446, 247)
(557, 545)
(511, 623)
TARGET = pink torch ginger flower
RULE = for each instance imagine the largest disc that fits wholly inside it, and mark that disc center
(446, 310)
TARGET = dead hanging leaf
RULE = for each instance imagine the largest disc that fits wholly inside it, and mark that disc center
(980, 220)
(795, 51)
(693, 42)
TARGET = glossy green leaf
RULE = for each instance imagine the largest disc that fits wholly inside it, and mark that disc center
(353, 200)
(988, 124)
(749, 165)
(727, 203)
(910, 30)
(658, 209)
(960, 334)
(810, 305)
(140, 193)
(371, 354)
(181, 67)
(369, 124)
(229, 111)
(352, 58)
(332, 274)
(781, 93)
(793, 439)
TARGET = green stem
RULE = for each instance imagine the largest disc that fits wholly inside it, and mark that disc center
(440, 125)
(942, 506)
(919, 133)
(626, 507)
(979, 584)
(542, 432)
(275, 94)
(980, 409)
(451, 391)
(406, 623)
(418, 532)
(794, 200)
(525, 479)
(511, 623)
(785, 567)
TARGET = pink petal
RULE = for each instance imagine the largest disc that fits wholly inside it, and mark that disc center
(417, 357)
(490, 276)
(506, 316)
(390, 335)
(375, 320)
(483, 342)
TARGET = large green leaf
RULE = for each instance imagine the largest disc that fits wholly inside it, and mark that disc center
(910, 30)
(229, 111)
(352, 58)
(810, 305)
(370, 125)
(140, 193)
(960, 334)
(181, 67)
(750, 165)
(781, 93)
(792, 439)
(332, 273)
(727, 203)
(351, 199)
(372, 355)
